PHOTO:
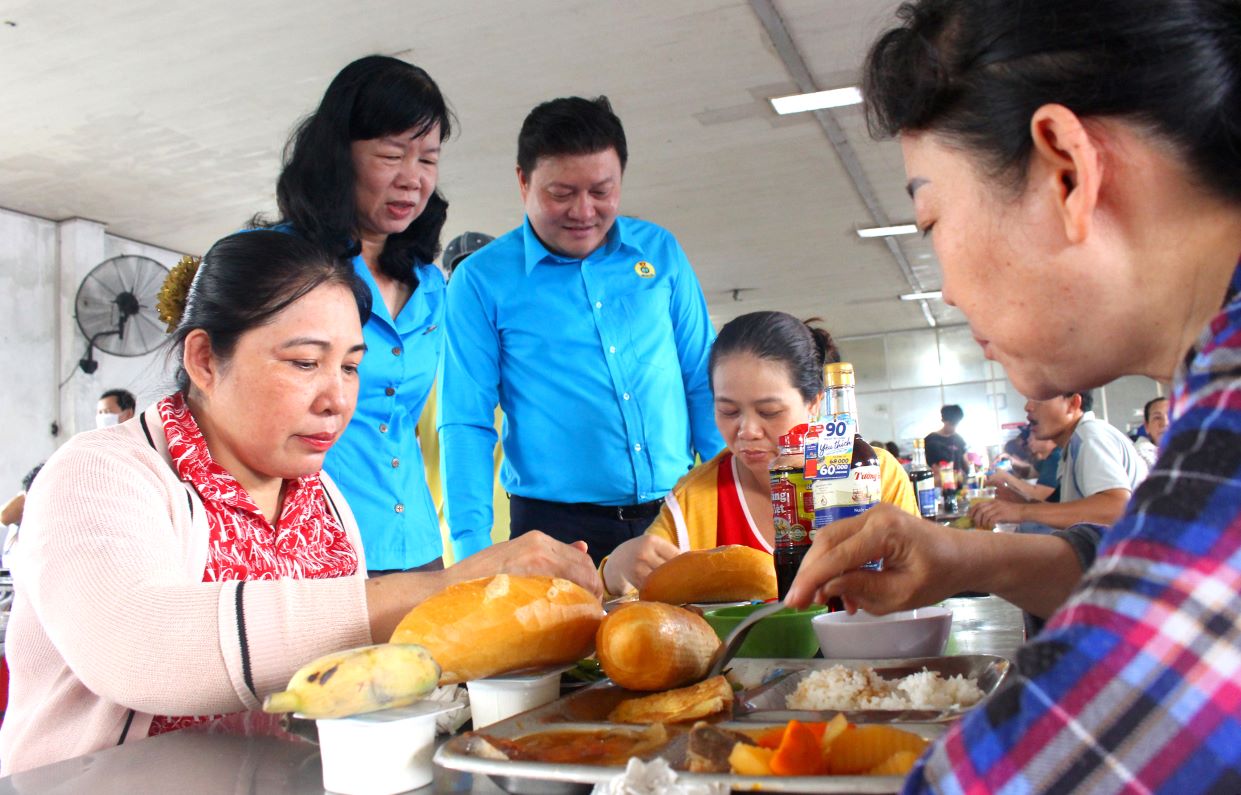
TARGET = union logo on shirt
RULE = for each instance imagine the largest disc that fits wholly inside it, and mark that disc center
(644, 269)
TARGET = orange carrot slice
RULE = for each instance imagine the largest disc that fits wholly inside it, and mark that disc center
(799, 753)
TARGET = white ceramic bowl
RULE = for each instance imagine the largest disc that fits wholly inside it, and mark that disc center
(909, 633)
(379, 753)
(500, 697)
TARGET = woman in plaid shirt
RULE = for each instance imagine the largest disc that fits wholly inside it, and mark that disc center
(1079, 166)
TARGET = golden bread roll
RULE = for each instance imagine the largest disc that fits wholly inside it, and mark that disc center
(654, 646)
(490, 626)
(732, 573)
(710, 697)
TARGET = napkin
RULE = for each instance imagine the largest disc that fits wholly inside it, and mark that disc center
(450, 695)
(655, 778)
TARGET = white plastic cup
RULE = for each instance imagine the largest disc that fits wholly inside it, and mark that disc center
(500, 697)
(379, 753)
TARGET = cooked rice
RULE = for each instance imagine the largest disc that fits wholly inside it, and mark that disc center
(839, 687)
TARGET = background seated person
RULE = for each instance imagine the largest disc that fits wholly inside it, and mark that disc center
(1155, 421)
(766, 373)
(114, 407)
(177, 569)
(1099, 470)
(1041, 463)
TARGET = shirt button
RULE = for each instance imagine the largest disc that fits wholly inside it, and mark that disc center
(383, 427)
(637, 448)
(399, 508)
(626, 396)
(396, 351)
(612, 349)
(389, 391)
(396, 462)
(598, 305)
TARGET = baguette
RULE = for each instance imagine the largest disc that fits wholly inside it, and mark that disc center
(485, 627)
(732, 573)
(654, 646)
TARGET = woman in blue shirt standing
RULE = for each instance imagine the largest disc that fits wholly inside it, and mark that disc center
(359, 179)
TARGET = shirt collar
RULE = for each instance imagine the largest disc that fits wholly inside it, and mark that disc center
(536, 253)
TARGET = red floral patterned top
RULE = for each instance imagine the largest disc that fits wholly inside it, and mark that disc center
(306, 542)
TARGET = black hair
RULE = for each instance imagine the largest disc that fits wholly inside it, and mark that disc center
(370, 98)
(1087, 399)
(570, 126)
(779, 337)
(30, 476)
(1146, 410)
(952, 413)
(124, 398)
(974, 71)
(248, 278)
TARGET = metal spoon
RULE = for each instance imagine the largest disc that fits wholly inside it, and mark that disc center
(728, 649)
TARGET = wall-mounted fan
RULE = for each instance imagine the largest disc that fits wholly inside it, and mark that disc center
(115, 308)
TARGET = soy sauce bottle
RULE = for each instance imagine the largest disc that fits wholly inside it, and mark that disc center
(924, 481)
(789, 492)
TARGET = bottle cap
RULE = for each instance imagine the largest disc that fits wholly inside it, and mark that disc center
(838, 374)
(796, 436)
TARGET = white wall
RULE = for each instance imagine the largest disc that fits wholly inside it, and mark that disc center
(904, 377)
(41, 265)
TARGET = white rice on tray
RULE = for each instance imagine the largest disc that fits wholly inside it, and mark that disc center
(844, 688)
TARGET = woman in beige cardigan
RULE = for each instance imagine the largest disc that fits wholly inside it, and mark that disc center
(177, 568)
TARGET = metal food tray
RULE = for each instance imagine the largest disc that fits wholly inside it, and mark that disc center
(767, 701)
(548, 778)
(587, 710)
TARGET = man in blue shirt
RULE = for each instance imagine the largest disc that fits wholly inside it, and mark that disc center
(591, 332)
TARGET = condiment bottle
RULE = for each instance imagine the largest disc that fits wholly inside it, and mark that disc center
(923, 480)
(788, 494)
(839, 494)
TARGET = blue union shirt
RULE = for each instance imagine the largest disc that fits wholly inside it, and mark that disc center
(600, 367)
(377, 462)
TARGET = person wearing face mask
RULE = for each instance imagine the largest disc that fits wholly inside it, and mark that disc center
(591, 332)
(114, 407)
(359, 180)
(766, 373)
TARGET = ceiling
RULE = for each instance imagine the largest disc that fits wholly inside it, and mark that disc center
(165, 120)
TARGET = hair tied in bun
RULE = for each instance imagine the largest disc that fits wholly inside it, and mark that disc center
(175, 291)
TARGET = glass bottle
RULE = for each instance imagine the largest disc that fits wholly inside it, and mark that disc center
(923, 481)
(789, 495)
(840, 493)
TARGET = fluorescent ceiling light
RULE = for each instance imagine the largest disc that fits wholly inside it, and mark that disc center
(929, 295)
(888, 231)
(819, 100)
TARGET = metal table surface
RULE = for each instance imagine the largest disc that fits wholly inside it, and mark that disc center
(189, 763)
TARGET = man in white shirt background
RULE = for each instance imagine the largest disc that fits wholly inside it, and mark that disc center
(1099, 468)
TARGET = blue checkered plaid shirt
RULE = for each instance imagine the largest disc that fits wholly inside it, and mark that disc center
(1135, 684)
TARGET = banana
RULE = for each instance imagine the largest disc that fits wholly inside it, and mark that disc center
(358, 680)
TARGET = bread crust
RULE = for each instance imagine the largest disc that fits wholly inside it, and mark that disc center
(494, 625)
(654, 646)
(731, 573)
